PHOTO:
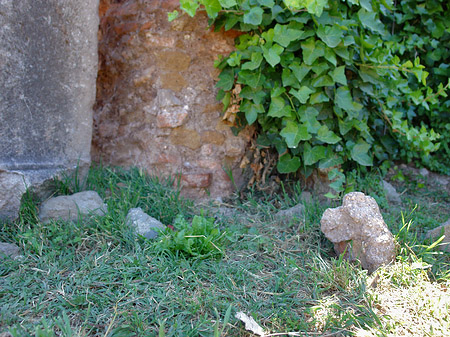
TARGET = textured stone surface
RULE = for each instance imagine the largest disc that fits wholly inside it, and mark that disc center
(69, 207)
(48, 66)
(358, 229)
(391, 193)
(12, 187)
(156, 105)
(143, 223)
(9, 249)
(437, 232)
(294, 213)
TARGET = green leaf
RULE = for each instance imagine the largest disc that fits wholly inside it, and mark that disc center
(228, 3)
(331, 35)
(344, 100)
(288, 164)
(302, 94)
(272, 54)
(284, 35)
(288, 78)
(360, 154)
(226, 79)
(266, 3)
(369, 20)
(323, 81)
(293, 133)
(254, 16)
(312, 50)
(212, 7)
(251, 111)
(319, 97)
(312, 6)
(331, 161)
(249, 77)
(189, 6)
(257, 95)
(279, 108)
(312, 155)
(255, 62)
(300, 71)
(308, 116)
(338, 75)
(172, 15)
(327, 136)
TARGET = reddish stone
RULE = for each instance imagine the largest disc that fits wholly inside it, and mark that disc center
(164, 158)
(170, 4)
(196, 180)
(171, 120)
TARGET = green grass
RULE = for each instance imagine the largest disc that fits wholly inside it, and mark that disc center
(94, 278)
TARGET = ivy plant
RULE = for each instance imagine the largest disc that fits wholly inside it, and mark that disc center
(324, 82)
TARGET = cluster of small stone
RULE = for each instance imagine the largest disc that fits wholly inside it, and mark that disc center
(156, 105)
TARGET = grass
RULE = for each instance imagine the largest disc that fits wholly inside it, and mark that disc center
(94, 278)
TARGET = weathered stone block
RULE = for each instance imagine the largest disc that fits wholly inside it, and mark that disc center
(48, 67)
(186, 137)
(173, 60)
(196, 180)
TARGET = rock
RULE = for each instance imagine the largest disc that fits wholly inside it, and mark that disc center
(436, 233)
(69, 207)
(12, 186)
(144, 224)
(424, 172)
(306, 197)
(358, 229)
(8, 249)
(287, 215)
(48, 70)
(391, 193)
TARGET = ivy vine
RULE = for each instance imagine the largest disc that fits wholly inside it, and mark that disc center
(326, 82)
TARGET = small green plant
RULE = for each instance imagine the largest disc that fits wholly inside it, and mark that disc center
(200, 239)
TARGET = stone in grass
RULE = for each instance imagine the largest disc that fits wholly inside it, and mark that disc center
(391, 193)
(287, 215)
(358, 229)
(8, 249)
(437, 232)
(69, 207)
(143, 223)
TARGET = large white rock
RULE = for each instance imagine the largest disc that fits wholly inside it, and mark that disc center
(70, 207)
(358, 229)
(143, 223)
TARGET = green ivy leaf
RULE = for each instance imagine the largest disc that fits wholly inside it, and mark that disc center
(254, 16)
(257, 95)
(172, 15)
(300, 71)
(331, 161)
(288, 164)
(212, 7)
(189, 6)
(279, 108)
(312, 6)
(228, 3)
(312, 50)
(293, 133)
(288, 78)
(251, 111)
(327, 136)
(323, 81)
(308, 116)
(338, 75)
(369, 20)
(302, 94)
(249, 77)
(284, 35)
(267, 3)
(255, 62)
(312, 155)
(272, 54)
(331, 35)
(360, 154)
(344, 100)
(226, 79)
(319, 97)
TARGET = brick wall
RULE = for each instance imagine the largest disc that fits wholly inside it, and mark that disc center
(156, 105)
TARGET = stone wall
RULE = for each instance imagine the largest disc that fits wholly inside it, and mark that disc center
(156, 105)
(48, 66)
